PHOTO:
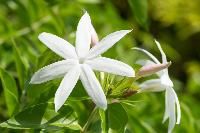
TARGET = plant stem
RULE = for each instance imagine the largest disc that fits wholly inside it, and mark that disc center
(90, 119)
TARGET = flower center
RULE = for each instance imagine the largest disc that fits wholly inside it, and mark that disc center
(81, 60)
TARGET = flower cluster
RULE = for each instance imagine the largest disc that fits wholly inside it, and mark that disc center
(81, 61)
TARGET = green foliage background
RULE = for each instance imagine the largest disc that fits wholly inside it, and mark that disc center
(175, 23)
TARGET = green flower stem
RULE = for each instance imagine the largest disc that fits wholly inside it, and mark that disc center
(104, 120)
(90, 119)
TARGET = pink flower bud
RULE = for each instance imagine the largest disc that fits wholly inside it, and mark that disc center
(151, 69)
(94, 36)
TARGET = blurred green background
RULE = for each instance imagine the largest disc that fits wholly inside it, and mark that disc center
(174, 23)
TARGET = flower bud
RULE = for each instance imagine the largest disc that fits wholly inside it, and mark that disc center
(94, 36)
(151, 69)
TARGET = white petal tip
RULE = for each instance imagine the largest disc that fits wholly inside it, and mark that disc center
(56, 110)
(128, 31)
(169, 63)
(163, 121)
(44, 36)
(41, 35)
(158, 44)
(136, 48)
(104, 107)
(156, 41)
(57, 104)
(131, 74)
(31, 82)
(86, 15)
(57, 107)
(34, 80)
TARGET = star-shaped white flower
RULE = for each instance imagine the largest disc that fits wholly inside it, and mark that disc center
(164, 83)
(80, 61)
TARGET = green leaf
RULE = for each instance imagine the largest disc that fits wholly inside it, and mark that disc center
(21, 70)
(140, 11)
(43, 116)
(10, 92)
(117, 118)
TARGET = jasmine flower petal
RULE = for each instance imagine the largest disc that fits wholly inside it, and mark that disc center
(164, 58)
(145, 62)
(166, 114)
(83, 35)
(106, 43)
(52, 71)
(165, 80)
(92, 86)
(171, 109)
(67, 84)
(171, 100)
(148, 54)
(178, 119)
(58, 45)
(111, 66)
(152, 85)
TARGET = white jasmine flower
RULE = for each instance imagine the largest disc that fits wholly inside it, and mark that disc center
(80, 61)
(164, 83)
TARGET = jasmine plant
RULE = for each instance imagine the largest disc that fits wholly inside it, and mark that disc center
(108, 82)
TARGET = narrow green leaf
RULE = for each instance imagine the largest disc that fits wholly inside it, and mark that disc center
(10, 92)
(21, 70)
(140, 11)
